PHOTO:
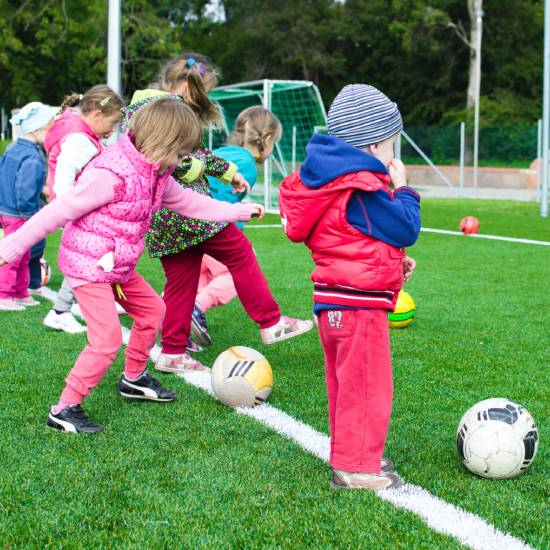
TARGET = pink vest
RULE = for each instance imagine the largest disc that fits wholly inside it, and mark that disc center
(118, 226)
(351, 268)
(70, 122)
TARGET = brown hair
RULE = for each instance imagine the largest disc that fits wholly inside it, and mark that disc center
(254, 126)
(164, 127)
(198, 72)
(99, 97)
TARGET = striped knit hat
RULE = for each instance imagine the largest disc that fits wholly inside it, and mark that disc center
(361, 115)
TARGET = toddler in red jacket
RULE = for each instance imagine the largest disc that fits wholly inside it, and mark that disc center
(351, 206)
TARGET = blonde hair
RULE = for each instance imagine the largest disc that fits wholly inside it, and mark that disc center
(254, 126)
(164, 127)
(98, 98)
(198, 72)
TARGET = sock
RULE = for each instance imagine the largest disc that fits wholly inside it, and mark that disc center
(62, 405)
(132, 377)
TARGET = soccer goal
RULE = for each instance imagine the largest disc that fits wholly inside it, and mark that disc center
(296, 103)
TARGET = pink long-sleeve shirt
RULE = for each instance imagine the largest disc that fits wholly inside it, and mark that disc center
(96, 188)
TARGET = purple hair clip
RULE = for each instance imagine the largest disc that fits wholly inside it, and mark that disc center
(192, 61)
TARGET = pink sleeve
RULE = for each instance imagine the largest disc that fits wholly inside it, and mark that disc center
(193, 205)
(94, 189)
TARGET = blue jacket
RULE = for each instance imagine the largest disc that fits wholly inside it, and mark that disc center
(246, 165)
(22, 175)
(395, 221)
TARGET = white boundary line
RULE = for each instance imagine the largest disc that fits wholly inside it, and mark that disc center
(439, 515)
(442, 232)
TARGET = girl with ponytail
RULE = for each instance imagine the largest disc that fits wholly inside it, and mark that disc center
(180, 242)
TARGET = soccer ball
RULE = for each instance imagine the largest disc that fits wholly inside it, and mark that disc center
(241, 377)
(469, 225)
(497, 439)
(46, 271)
(404, 311)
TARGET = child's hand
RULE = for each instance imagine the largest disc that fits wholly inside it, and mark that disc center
(409, 265)
(257, 210)
(239, 184)
(398, 173)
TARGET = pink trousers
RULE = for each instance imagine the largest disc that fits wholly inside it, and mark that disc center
(216, 286)
(359, 386)
(15, 277)
(97, 303)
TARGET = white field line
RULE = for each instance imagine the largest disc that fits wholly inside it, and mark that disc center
(445, 518)
(442, 232)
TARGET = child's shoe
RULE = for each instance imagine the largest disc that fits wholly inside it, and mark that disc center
(27, 302)
(73, 419)
(371, 482)
(193, 347)
(287, 327)
(9, 304)
(145, 387)
(199, 329)
(183, 362)
(63, 321)
(35, 291)
(386, 465)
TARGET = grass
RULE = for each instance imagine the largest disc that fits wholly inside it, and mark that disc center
(195, 474)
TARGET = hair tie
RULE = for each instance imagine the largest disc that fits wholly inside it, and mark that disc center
(191, 61)
(105, 100)
(80, 97)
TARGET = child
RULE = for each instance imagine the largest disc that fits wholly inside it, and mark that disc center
(342, 206)
(252, 141)
(72, 142)
(106, 215)
(22, 173)
(181, 242)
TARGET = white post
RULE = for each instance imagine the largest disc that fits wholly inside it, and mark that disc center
(210, 137)
(479, 23)
(397, 147)
(113, 48)
(267, 163)
(462, 148)
(539, 158)
(545, 111)
(4, 124)
(293, 148)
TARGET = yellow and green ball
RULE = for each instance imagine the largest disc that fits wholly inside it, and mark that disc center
(404, 313)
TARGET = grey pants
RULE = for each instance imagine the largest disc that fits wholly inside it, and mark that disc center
(65, 298)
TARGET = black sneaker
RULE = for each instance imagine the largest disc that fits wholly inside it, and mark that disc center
(199, 329)
(145, 387)
(73, 419)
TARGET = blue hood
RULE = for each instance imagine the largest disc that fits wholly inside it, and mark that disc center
(329, 157)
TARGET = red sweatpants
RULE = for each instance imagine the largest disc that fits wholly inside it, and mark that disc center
(359, 386)
(182, 271)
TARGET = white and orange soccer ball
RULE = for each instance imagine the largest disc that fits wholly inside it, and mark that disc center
(46, 271)
(241, 377)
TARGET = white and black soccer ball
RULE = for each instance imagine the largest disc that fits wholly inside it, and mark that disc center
(497, 439)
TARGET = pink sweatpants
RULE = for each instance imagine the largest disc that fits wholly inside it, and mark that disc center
(359, 386)
(97, 303)
(216, 286)
(15, 277)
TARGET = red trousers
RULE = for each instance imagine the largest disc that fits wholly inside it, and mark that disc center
(182, 271)
(359, 386)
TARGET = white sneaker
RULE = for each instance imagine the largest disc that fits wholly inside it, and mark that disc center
(63, 321)
(9, 304)
(27, 302)
(35, 291)
(372, 482)
(178, 363)
(287, 327)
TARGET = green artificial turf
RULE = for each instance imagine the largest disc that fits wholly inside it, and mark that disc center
(195, 474)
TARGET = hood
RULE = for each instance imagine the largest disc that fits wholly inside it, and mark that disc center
(68, 123)
(140, 95)
(329, 157)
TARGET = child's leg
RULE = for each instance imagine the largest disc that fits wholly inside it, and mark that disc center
(21, 289)
(362, 379)
(147, 309)
(35, 269)
(10, 272)
(65, 298)
(234, 250)
(220, 289)
(182, 272)
(97, 304)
